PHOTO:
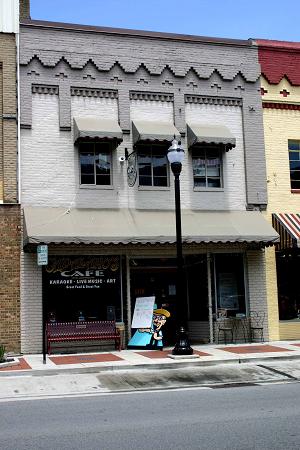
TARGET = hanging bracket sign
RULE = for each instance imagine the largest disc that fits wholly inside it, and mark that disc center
(42, 255)
(131, 169)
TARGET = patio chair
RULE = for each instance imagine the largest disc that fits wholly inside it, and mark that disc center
(257, 320)
(224, 326)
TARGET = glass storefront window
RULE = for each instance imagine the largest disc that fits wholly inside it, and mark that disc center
(229, 283)
(288, 267)
(196, 270)
(77, 288)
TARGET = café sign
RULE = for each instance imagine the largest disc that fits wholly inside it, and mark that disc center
(83, 273)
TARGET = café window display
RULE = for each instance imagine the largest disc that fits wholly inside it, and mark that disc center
(230, 284)
(78, 288)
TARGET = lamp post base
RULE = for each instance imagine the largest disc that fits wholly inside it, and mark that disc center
(182, 346)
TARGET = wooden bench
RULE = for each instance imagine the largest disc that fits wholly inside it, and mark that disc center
(82, 331)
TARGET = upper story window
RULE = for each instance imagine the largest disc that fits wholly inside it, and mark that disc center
(152, 165)
(207, 167)
(95, 164)
(294, 157)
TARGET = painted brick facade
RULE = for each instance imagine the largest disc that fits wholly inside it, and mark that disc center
(125, 68)
(136, 78)
(280, 83)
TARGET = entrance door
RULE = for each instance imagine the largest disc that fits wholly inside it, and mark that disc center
(159, 282)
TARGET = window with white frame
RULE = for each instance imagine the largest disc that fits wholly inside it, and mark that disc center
(95, 164)
(294, 158)
(153, 165)
(207, 167)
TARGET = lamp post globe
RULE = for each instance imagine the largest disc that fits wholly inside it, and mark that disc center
(182, 347)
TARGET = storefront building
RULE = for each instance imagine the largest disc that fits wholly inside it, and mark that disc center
(99, 110)
(280, 89)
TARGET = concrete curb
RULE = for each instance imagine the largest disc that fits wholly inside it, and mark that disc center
(155, 366)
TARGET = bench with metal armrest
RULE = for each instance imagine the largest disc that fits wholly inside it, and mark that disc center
(82, 331)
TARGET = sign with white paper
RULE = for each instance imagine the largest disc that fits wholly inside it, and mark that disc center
(42, 255)
(143, 312)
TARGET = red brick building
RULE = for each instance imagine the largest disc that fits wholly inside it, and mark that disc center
(10, 223)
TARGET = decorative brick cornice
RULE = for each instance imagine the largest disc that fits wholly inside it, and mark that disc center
(91, 92)
(273, 105)
(156, 96)
(200, 99)
(250, 72)
(44, 89)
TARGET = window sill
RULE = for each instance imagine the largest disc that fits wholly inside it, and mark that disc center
(94, 187)
(153, 188)
(203, 189)
(295, 191)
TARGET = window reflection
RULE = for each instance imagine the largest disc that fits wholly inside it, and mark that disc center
(153, 165)
(207, 167)
(95, 164)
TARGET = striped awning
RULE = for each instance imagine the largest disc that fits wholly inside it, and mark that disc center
(287, 226)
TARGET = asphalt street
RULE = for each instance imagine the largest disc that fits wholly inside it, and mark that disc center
(253, 417)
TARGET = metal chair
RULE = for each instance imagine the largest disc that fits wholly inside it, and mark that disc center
(257, 320)
(225, 326)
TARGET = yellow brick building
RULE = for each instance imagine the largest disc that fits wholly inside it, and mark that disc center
(280, 89)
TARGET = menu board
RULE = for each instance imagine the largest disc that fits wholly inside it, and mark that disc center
(143, 312)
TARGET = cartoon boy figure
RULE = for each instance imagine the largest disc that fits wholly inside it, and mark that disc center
(151, 338)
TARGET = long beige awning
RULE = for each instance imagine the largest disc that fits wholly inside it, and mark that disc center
(209, 134)
(154, 131)
(97, 128)
(131, 226)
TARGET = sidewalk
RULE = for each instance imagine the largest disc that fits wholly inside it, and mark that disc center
(152, 359)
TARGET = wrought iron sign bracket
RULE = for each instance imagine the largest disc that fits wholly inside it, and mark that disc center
(131, 159)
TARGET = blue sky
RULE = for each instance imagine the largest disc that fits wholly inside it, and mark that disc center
(241, 19)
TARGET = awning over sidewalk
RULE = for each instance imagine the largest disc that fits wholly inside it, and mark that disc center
(131, 226)
(209, 134)
(154, 131)
(287, 226)
(97, 128)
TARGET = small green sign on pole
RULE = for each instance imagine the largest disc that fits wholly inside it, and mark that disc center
(42, 255)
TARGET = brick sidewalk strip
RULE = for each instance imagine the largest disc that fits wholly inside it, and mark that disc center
(255, 349)
(79, 359)
(158, 354)
(23, 365)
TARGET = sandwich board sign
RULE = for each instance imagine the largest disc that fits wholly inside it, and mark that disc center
(143, 312)
(42, 255)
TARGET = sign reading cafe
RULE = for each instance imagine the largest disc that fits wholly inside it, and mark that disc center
(83, 273)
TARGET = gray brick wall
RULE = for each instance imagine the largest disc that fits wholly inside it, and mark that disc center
(126, 63)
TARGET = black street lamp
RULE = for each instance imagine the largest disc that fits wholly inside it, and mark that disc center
(182, 347)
